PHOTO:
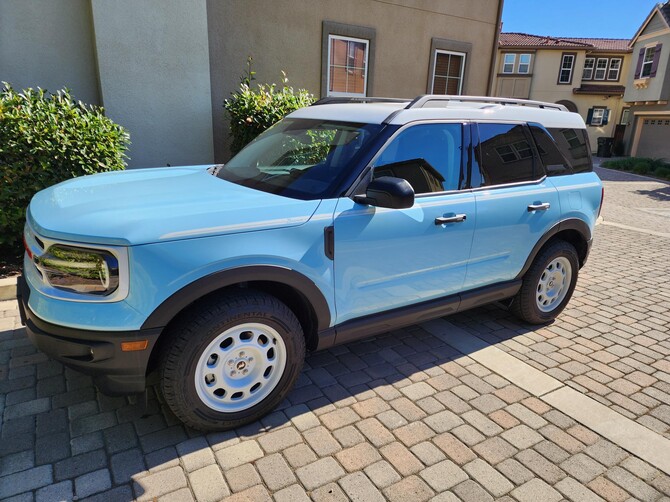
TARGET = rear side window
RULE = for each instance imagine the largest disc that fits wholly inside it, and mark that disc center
(504, 155)
(428, 156)
(574, 145)
(555, 163)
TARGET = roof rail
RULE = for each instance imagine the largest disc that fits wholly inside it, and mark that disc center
(425, 100)
(331, 100)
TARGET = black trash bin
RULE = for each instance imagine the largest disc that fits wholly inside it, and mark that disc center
(605, 147)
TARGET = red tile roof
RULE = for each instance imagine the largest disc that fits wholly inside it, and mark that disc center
(537, 41)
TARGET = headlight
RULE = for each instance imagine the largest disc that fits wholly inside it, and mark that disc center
(80, 270)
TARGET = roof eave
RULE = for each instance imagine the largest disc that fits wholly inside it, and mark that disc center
(654, 10)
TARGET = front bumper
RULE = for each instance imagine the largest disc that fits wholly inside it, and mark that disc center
(96, 353)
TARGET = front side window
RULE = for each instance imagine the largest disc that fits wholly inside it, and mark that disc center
(428, 156)
(648, 62)
(589, 65)
(509, 63)
(615, 68)
(347, 66)
(448, 72)
(524, 63)
(300, 158)
(601, 69)
(565, 74)
(504, 155)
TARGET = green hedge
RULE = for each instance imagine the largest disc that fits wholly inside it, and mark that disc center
(641, 165)
(252, 110)
(45, 139)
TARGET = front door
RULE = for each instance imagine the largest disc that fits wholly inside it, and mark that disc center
(390, 258)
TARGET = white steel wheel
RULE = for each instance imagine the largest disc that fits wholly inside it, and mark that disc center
(240, 367)
(553, 284)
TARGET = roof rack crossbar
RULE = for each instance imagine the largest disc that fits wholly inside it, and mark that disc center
(348, 99)
(421, 101)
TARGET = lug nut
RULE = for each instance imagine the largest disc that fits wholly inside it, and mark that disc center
(233, 373)
(250, 359)
(245, 372)
(242, 354)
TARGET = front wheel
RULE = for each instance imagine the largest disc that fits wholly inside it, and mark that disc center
(548, 285)
(231, 360)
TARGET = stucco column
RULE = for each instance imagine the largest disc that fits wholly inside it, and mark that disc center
(153, 64)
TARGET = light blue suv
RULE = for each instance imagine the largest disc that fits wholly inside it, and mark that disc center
(344, 220)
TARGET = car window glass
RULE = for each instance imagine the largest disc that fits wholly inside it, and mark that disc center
(428, 156)
(504, 154)
(574, 145)
(555, 164)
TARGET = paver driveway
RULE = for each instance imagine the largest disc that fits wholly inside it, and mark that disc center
(404, 416)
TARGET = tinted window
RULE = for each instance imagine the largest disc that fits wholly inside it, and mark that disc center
(428, 156)
(504, 155)
(574, 145)
(555, 164)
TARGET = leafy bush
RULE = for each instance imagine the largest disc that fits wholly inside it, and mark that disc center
(253, 110)
(45, 139)
(641, 165)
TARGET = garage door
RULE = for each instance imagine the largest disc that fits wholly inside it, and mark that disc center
(654, 138)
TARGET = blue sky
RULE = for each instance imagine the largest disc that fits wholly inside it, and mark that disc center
(576, 18)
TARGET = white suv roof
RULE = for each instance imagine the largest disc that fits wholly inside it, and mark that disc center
(440, 107)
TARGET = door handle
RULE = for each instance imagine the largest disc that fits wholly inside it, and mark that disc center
(443, 220)
(539, 207)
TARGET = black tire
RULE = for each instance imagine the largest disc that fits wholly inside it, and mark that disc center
(194, 332)
(525, 303)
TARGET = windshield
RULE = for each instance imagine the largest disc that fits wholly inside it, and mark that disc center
(299, 158)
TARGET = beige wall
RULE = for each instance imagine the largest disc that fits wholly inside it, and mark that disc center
(154, 74)
(286, 35)
(544, 87)
(48, 44)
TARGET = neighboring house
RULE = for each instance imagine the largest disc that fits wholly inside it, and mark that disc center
(648, 87)
(162, 68)
(587, 75)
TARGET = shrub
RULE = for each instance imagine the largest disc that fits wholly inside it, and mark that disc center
(45, 139)
(253, 110)
(663, 172)
(641, 168)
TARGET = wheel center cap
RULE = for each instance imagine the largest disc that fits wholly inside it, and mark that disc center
(241, 365)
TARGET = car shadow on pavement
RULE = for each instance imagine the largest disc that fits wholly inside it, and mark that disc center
(113, 446)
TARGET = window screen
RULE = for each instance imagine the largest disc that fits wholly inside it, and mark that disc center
(435, 152)
(504, 155)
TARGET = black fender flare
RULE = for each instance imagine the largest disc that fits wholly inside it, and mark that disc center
(184, 297)
(570, 224)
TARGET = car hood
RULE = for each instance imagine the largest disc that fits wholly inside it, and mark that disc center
(142, 206)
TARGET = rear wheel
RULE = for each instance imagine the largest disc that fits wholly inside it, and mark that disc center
(231, 360)
(548, 285)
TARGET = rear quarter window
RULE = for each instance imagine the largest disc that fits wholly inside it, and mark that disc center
(574, 146)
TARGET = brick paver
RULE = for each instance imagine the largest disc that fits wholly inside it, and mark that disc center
(403, 416)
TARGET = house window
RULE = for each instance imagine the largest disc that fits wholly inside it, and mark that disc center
(347, 66)
(625, 116)
(601, 69)
(597, 116)
(615, 68)
(508, 63)
(567, 64)
(589, 65)
(524, 63)
(648, 61)
(448, 72)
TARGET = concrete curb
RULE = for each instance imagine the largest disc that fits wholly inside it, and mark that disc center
(8, 289)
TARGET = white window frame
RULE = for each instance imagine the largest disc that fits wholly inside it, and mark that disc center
(647, 62)
(597, 120)
(563, 68)
(530, 58)
(505, 63)
(365, 78)
(598, 68)
(591, 69)
(617, 69)
(625, 116)
(462, 72)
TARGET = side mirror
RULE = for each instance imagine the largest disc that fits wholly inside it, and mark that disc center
(387, 191)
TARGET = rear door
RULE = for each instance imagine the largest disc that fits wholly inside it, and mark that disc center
(515, 203)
